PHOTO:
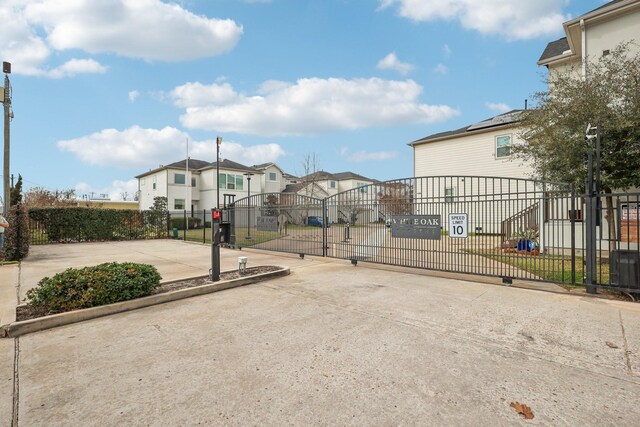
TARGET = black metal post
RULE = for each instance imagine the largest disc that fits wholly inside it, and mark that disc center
(6, 101)
(248, 175)
(591, 214)
(215, 245)
(218, 143)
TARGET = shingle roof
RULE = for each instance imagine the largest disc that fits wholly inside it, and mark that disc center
(555, 48)
(321, 175)
(197, 165)
(504, 119)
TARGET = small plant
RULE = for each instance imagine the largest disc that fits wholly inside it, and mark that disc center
(92, 286)
(529, 234)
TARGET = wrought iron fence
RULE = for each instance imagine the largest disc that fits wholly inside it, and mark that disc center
(285, 222)
(90, 225)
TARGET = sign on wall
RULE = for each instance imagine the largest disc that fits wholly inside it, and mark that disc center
(267, 223)
(416, 226)
(458, 225)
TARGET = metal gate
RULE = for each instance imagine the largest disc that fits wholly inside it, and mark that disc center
(493, 226)
(505, 227)
(284, 222)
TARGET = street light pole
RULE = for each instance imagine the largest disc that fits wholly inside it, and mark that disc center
(6, 101)
(218, 143)
(248, 175)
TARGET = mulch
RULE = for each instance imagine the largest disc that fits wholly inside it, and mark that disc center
(26, 312)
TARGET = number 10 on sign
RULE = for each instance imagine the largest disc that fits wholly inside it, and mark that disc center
(458, 225)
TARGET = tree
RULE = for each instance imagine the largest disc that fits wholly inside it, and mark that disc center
(16, 192)
(39, 197)
(608, 96)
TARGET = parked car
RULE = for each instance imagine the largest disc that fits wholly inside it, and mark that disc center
(315, 221)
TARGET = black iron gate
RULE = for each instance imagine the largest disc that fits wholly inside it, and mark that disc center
(504, 227)
(285, 222)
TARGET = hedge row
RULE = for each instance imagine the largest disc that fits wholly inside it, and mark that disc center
(82, 224)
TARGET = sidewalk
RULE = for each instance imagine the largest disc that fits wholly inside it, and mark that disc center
(331, 344)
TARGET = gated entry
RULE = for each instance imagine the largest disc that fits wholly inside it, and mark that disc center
(480, 225)
(285, 222)
(504, 227)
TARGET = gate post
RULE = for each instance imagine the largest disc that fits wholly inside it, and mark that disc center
(325, 216)
(592, 189)
(572, 218)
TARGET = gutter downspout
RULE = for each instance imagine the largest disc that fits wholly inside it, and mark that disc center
(583, 29)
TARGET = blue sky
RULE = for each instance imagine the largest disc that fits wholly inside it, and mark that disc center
(104, 90)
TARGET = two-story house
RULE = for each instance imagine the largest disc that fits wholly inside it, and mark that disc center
(193, 185)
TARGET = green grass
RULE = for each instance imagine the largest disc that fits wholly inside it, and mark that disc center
(553, 268)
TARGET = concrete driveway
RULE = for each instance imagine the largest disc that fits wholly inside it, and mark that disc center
(331, 344)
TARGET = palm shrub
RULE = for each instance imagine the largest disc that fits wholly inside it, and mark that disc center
(92, 286)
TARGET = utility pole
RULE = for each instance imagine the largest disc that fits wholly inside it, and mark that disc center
(8, 115)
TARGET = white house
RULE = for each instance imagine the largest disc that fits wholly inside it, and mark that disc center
(193, 185)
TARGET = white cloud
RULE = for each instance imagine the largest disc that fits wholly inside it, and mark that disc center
(522, 19)
(367, 156)
(77, 66)
(136, 147)
(309, 106)
(499, 107)
(441, 69)
(115, 191)
(133, 95)
(391, 62)
(148, 29)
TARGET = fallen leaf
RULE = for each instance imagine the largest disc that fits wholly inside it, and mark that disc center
(612, 345)
(523, 410)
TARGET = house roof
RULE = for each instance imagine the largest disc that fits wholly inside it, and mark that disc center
(199, 165)
(230, 164)
(340, 176)
(501, 120)
(554, 49)
(296, 188)
(571, 46)
(194, 164)
(264, 166)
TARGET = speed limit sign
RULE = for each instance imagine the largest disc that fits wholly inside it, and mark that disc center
(458, 225)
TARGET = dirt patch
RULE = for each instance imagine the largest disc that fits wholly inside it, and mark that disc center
(26, 313)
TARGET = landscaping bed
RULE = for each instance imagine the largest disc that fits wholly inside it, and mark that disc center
(24, 312)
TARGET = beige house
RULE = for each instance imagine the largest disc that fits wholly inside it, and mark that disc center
(592, 35)
(480, 149)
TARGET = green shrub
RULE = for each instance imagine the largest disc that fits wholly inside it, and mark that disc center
(92, 286)
(16, 243)
(178, 222)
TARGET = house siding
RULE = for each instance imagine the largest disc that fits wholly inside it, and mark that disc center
(471, 155)
(608, 34)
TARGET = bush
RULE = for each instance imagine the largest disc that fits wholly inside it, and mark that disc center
(178, 222)
(92, 286)
(16, 238)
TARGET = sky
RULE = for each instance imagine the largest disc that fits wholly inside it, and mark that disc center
(104, 90)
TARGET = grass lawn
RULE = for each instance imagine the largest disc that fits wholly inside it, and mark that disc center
(553, 268)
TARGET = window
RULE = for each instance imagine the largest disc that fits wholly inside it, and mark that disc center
(155, 179)
(449, 192)
(503, 146)
(231, 182)
(141, 181)
(193, 182)
(272, 176)
(154, 185)
(178, 178)
(332, 184)
(362, 186)
(178, 204)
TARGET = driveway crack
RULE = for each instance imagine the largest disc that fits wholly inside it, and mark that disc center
(627, 352)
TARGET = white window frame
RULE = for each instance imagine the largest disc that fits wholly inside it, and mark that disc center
(332, 184)
(449, 194)
(175, 204)
(497, 140)
(274, 175)
(175, 178)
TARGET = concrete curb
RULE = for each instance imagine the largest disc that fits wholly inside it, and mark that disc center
(17, 329)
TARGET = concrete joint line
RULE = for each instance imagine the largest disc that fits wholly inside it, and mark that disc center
(16, 382)
(627, 352)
